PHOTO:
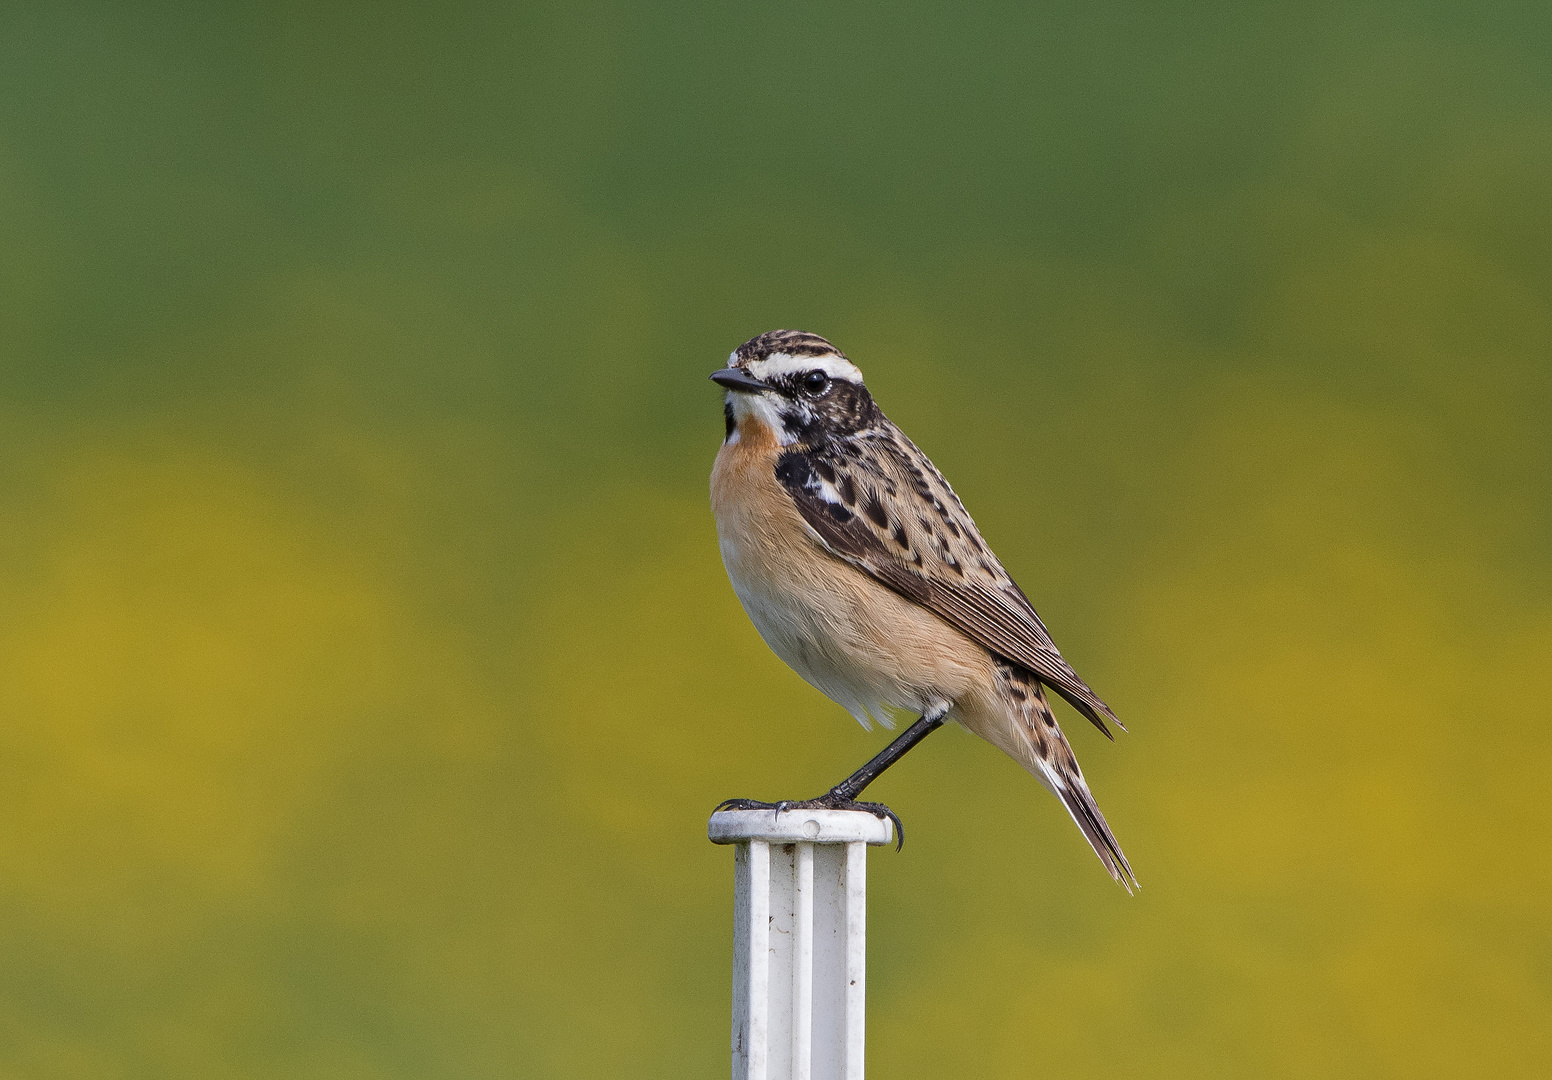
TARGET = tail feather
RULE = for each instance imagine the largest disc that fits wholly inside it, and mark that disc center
(1052, 761)
(1081, 805)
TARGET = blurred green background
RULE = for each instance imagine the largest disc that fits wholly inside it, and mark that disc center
(367, 667)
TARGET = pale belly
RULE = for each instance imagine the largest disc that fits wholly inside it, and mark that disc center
(813, 632)
(859, 643)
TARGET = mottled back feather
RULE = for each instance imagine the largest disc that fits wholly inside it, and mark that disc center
(878, 502)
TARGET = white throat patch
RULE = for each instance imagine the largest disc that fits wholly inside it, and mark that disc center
(762, 409)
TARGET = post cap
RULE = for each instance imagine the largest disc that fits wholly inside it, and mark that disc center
(799, 826)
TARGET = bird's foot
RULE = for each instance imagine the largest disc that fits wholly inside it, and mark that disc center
(746, 804)
(828, 801)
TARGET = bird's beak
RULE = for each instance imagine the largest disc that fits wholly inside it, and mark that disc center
(735, 379)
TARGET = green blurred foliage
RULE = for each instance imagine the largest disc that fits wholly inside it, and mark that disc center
(367, 669)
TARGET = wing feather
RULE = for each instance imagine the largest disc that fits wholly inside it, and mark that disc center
(878, 503)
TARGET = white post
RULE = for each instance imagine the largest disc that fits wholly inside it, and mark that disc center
(799, 939)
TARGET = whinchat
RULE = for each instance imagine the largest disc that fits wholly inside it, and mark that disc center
(860, 568)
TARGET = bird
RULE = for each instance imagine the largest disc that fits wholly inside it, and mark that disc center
(862, 570)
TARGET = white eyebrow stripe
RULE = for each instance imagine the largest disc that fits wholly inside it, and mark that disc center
(837, 367)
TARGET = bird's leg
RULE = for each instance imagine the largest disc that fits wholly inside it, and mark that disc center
(843, 796)
(848, 789)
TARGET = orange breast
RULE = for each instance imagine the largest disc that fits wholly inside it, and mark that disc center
(745, 470)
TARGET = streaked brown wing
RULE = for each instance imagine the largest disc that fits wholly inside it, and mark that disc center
(881, 505)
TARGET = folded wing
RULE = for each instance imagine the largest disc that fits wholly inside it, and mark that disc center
(878, 503)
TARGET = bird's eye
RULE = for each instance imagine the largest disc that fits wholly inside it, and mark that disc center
(815, 382)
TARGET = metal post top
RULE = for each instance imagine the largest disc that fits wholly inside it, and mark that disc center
(799, 826)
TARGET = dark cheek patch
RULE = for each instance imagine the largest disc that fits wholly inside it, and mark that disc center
(727, 414)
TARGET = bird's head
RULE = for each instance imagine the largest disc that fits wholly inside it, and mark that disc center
(798, 385)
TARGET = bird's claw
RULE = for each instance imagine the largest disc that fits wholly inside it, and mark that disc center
(743, 804)
(777, 808)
